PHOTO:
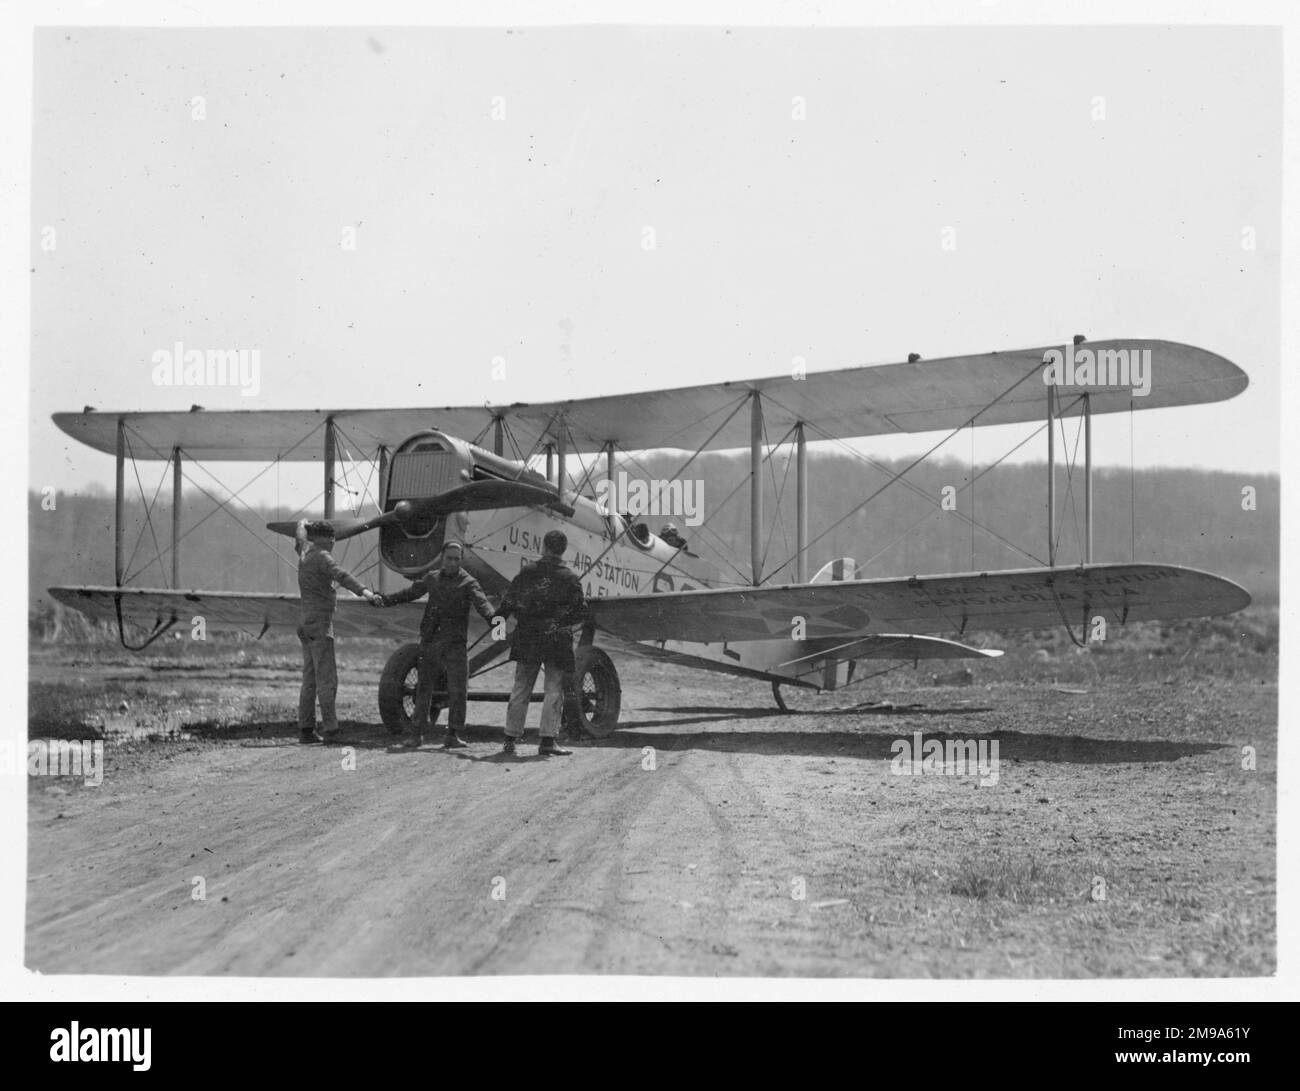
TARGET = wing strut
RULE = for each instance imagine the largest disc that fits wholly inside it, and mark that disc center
(329, 467)
(901, 474)
(382, 489)
(756, 486)
(1051, 479)
(800, 505)
(1087, 478)
(177, 476)
(119, 505)
(561, 457)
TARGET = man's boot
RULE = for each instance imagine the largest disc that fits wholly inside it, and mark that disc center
(550, 748)
(508, 747)
(452, 741)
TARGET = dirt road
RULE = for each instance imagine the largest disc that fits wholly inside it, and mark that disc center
(710, 836)
(426, 863)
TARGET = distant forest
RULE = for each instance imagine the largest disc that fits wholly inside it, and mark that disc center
(1182, 516)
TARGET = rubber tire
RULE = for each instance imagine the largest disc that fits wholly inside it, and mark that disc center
(599, 711)
(397, 687)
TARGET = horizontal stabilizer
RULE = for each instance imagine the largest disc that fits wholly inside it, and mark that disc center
(897, 646)
(842, 568)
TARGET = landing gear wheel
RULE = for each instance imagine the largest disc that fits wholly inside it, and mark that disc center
(397, 687)
(599, 695)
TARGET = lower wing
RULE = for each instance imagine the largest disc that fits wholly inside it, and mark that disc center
(1031, 598)
(887, 610)
(252, 612)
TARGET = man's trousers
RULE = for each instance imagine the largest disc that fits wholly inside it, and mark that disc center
(443, 666)
(320, 682)
(521, 694)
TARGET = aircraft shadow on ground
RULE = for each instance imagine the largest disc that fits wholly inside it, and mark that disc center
(703, 714)
(876, 745)
(873, 744)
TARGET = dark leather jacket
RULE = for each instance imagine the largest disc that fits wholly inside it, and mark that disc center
(547, 599)
(446, 615)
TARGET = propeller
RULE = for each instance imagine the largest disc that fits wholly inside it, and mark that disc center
(343, 527)
(476, 496)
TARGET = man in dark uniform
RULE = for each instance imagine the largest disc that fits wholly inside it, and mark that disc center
(318, 572)
(547, 599)
(443, 636)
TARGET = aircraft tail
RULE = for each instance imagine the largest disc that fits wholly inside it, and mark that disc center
(842, 568)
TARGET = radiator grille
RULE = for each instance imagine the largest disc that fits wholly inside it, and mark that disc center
(417, 475)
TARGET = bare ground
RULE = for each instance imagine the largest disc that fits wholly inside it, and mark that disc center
(711, 835)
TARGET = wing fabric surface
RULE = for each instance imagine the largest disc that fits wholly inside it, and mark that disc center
(1034, 598)
(926, 396)
(237, 611)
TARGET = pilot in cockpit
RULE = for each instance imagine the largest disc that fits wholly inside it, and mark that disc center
(669, 535)
(636, 530)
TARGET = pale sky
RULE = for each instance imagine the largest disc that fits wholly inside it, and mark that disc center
(523, 237)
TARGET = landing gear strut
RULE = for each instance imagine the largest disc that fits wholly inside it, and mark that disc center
(776, 696)
(790, 697)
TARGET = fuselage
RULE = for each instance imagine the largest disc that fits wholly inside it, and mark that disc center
(614, 553)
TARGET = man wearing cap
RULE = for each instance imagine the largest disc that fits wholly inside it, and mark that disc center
(444, 633)
(670, 535)
(318, 572)
(547, 599)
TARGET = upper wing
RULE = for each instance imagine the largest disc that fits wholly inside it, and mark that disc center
(1032, 598)
(930, 395)
(252, 612)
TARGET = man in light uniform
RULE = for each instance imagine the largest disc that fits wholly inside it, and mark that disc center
(318, 572)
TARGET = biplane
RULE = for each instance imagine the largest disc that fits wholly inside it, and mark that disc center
(655, 597)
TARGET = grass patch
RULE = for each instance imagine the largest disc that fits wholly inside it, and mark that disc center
(1022, 881)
